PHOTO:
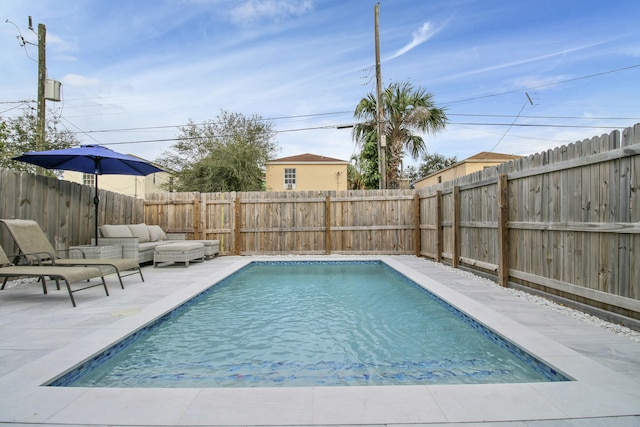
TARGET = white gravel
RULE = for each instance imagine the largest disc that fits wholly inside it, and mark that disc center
(551, 305)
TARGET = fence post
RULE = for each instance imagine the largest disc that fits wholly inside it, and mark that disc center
(196, 217)
(503, 230)
(417, 235)
(327, 225)
(456, 226)
(439, 233)
(236, 224)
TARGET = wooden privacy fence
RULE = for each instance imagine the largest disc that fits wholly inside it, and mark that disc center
(302, 222)
(566, 221)
(64, 209)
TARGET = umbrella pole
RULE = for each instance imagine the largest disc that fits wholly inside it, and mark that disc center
(96, 201)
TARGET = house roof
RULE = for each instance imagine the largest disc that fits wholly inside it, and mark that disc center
(307, 158)
(481, 157)
(486, 156)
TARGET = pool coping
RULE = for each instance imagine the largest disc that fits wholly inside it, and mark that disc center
(596, 391)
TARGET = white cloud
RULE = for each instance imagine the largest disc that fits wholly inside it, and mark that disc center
(59, 44)
(496, 67)
(632, 51)
(256, 10)
(75, 80)
(423, 34)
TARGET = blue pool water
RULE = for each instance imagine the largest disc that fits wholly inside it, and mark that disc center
(311, 324)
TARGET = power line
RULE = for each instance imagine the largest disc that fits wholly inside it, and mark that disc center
(74, 125)
(218, 136)
(351, 124)
(512, 123)
(203, 124)
(348, 112)
(523, 137)
(545, 117)
(540, 125)
(545, 85)
(450, 102)
(335, 127)
(497, 94)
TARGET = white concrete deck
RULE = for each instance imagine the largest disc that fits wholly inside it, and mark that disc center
(43, 336)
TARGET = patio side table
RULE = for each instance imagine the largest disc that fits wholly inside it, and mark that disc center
(97, 252)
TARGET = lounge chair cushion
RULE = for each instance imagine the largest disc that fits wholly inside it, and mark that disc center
(115, 231)
(141, 231)
(156, 233)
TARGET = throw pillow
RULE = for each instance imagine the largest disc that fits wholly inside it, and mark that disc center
(115, 231)
(156, 233)
(140, 231)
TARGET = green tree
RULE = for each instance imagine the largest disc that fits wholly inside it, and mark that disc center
(366, 164)
(407, 112)
(411, 173)
(228, 153)
(354, 177)
(433, 163)
(18, 136)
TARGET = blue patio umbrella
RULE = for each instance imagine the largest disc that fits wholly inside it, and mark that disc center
(94, 159)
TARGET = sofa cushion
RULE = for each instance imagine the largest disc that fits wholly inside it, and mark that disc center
(141, 231)
(149, 246)
(108, 230)
(156, 233)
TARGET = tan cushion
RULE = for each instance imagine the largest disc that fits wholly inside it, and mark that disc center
(148, 246)
(208, 242)
(115, 231)
(186, 245)
(156, 233)
(141, 231)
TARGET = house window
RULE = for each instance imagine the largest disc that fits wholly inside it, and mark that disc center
(89, 179)
(439, 180)
(289, 178)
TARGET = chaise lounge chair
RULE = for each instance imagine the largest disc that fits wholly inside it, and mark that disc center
(32, 242)
(68, 274)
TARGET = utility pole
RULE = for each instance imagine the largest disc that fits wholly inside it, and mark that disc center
(42, 76)
(382, 143)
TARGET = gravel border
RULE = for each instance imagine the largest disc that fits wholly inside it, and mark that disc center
(551, 305)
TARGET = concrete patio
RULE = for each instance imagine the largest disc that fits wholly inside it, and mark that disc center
(43, 336)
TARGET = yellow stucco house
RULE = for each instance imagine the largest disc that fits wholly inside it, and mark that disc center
(467, 166)
(306, 172)
(134, 186)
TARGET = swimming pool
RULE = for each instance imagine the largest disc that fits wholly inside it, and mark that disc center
(311, 324)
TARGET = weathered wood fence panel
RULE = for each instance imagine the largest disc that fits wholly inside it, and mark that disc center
(570, 221)
(293, 222)
(64, 209)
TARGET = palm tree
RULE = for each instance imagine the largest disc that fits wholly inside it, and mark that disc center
(407, 111)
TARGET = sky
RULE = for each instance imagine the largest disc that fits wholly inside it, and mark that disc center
(515, 76)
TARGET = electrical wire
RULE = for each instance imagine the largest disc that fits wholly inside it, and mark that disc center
(544, 117)
(352, 124)
(510, 125)
(545, 85)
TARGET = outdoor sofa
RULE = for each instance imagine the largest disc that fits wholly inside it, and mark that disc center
(140, 240)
